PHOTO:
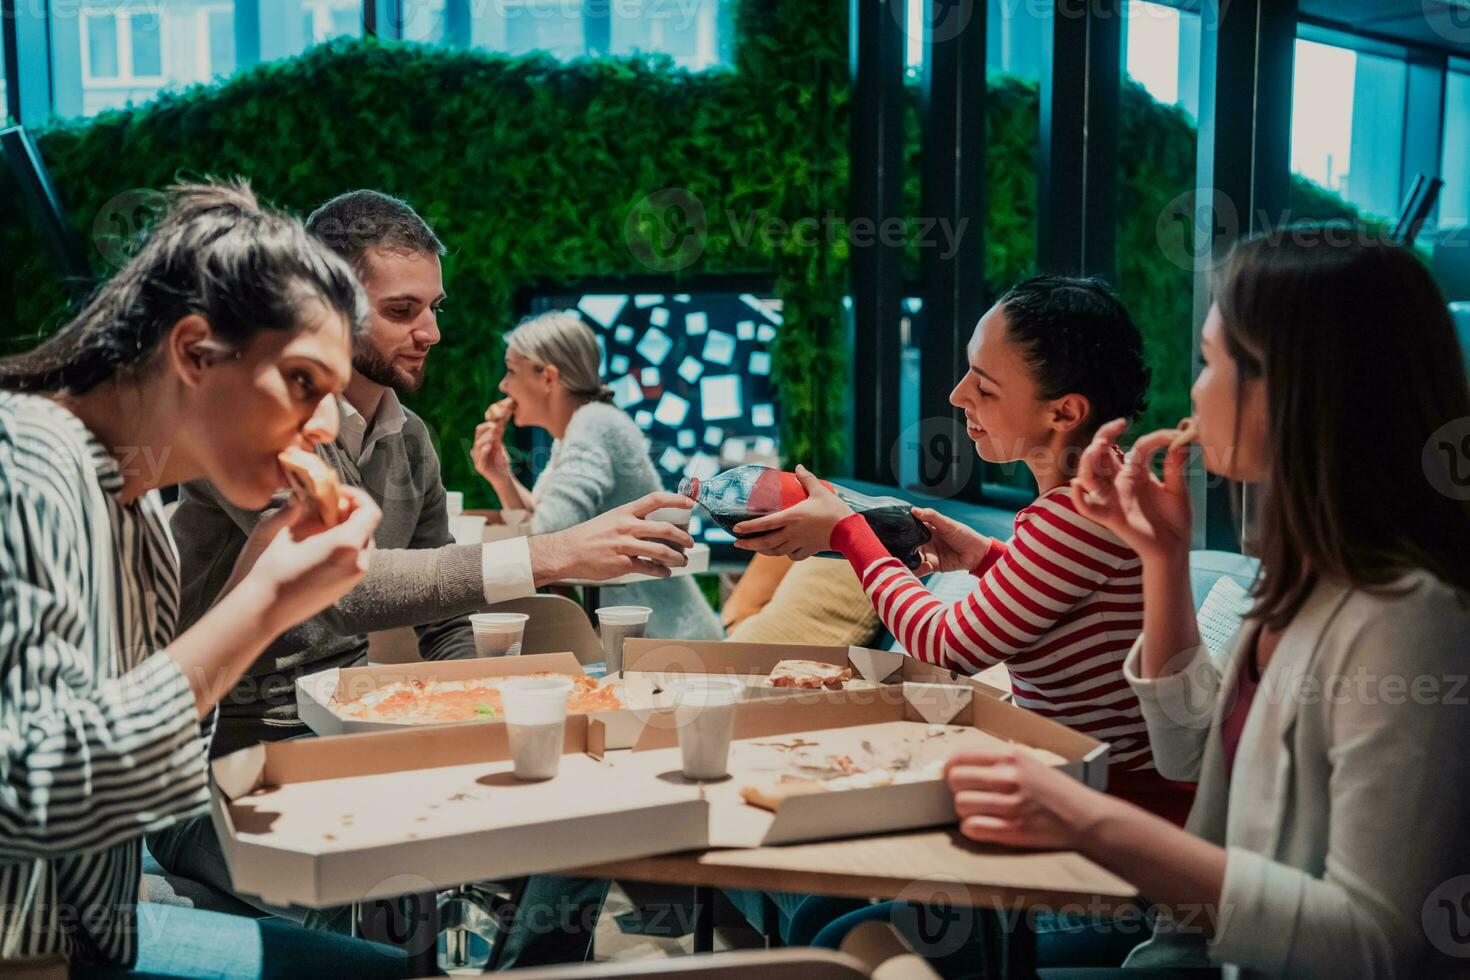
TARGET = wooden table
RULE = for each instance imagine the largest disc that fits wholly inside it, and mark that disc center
(931, 866)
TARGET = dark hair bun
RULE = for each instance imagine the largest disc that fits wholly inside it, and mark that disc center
(1078, 338)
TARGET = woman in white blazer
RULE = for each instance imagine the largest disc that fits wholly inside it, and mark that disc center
(1331, 742)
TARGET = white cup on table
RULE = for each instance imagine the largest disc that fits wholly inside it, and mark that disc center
(498, 634)
(616, 624)
(704, 714)
(535, 722)
(467, 528)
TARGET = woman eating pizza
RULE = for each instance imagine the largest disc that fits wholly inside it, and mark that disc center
(221, 344)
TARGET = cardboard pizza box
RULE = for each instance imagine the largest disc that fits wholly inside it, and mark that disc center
(907, 728)
(651, 659)
(320, 696)
(325, 821)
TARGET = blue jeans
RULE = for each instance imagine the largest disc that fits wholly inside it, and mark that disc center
(187, 943)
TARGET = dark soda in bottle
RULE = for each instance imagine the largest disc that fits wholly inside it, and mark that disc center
(748, 492)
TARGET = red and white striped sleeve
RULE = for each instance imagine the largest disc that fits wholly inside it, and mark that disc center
(1026, 588)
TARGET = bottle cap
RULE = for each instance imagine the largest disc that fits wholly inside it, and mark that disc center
(689, 487)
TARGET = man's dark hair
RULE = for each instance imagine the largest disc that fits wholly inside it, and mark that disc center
(1078, 338)
(357, 222)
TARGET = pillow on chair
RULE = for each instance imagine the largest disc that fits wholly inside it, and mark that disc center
(817, 601)
(756, 586)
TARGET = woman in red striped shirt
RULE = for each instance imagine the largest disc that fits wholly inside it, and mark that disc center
(1061, 603)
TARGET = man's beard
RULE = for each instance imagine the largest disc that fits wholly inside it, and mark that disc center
(369, 363)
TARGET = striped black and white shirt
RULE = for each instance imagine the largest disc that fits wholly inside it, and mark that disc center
(99, 733)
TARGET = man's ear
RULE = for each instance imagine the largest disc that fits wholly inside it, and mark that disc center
(189, 348)
(1070, 411)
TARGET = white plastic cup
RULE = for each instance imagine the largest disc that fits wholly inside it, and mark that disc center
(615, 624)
(453, 502)
(498, 634)
(677, 516)
(467, 528)
(535, 721)
(704, 713)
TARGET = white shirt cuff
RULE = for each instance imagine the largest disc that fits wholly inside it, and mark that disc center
(507, 567)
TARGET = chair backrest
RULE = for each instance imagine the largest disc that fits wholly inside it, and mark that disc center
(1208, 567)
(557, 625)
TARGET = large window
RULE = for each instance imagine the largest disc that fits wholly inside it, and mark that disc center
(111, 54)
(1347, 130)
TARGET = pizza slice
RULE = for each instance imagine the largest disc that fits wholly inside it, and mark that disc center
(809, 674)
(1188, 432)
(770, 796)
(314, 481)
(501, 410)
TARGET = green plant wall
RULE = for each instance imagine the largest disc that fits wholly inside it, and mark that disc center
(529, 170)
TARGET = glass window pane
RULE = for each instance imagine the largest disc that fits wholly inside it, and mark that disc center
(1347, 131)
(1156, 183)
(687, 32)
(124, 52)
(1322, 113)
(1163, 53)
(147, 45)
(102, 59)
(1455, 204)
(346, 20)
(4, 105)
(553, 26)
(221, 28)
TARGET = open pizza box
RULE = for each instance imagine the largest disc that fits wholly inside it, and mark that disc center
(321, 698)
(325, 821)
(884, 747)
(649, 663)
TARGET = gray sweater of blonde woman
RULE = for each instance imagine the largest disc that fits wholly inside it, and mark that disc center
(418, 578)
(601, 462)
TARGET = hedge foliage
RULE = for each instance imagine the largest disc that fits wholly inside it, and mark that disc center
(529, 168)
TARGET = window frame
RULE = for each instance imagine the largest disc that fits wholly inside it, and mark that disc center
(123, 41)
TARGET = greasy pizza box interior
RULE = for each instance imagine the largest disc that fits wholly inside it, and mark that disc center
(898, 732)
(645, 658)
(320, 696)
(326, 821)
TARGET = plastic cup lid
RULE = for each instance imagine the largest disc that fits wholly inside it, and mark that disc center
(697, 691)
(499, 622)
(623, 615)
(538, 688)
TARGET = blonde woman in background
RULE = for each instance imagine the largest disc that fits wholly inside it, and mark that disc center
(599, 458)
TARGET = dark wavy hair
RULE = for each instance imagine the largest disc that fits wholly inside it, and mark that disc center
(1357, 350)
(217, 253)
(1078, 337)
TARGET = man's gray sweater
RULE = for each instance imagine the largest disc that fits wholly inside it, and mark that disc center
(418, 578)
